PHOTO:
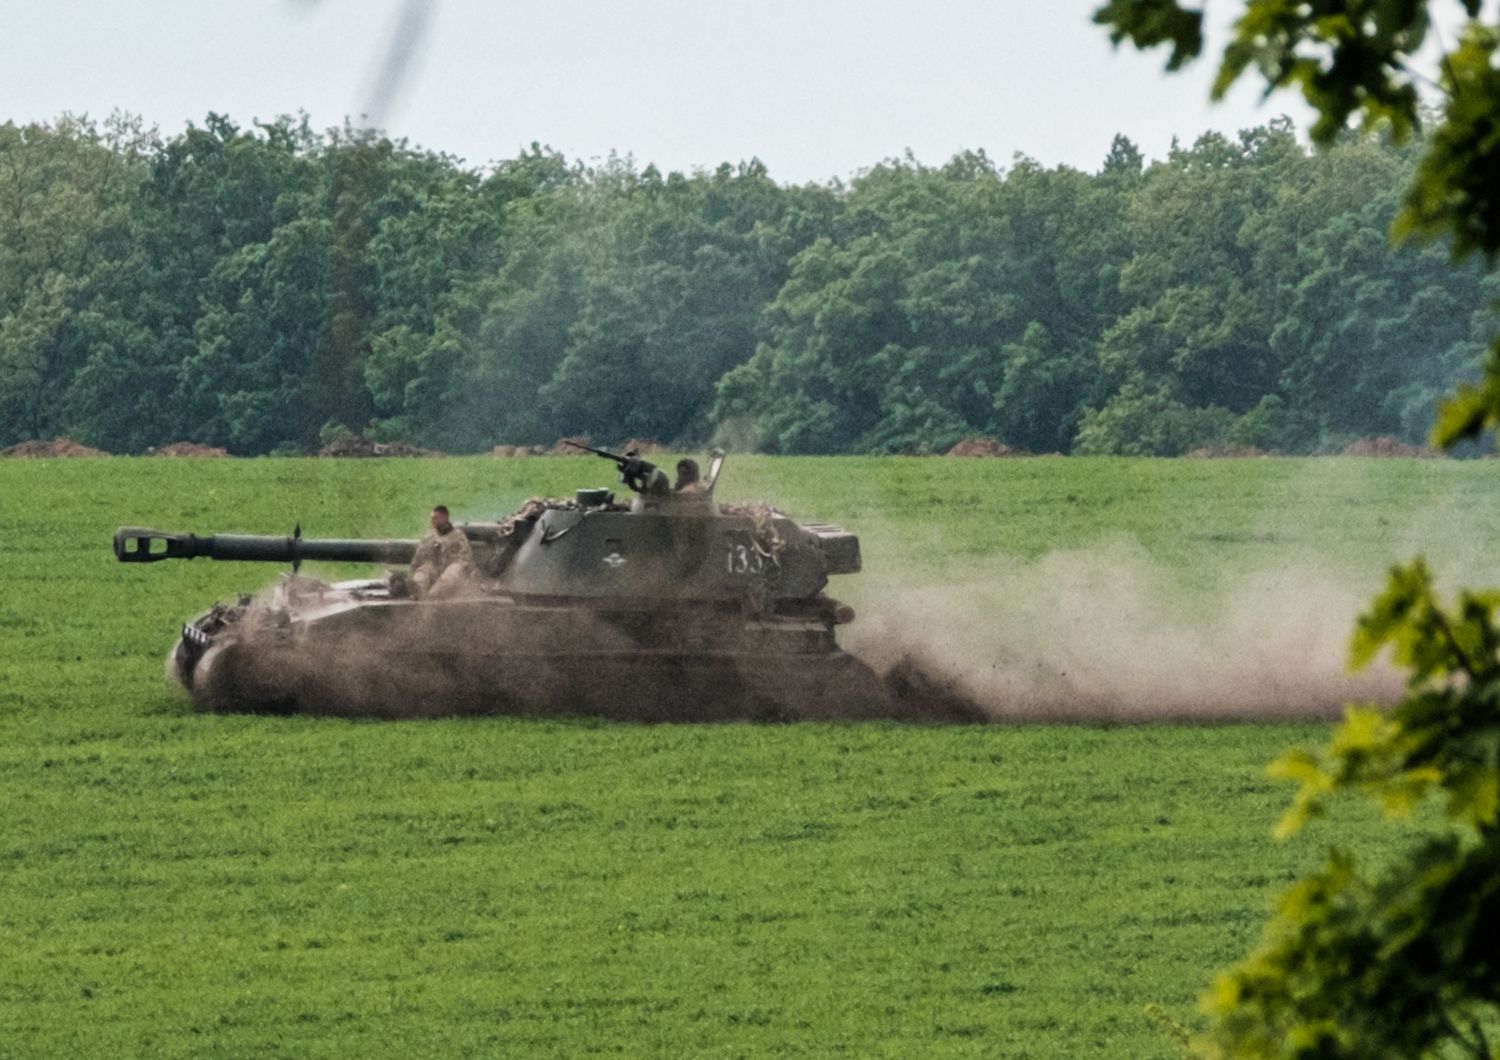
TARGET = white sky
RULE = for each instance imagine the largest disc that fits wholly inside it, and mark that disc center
(814, 88)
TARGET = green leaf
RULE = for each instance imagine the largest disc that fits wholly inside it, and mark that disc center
(1148, 23)
(1474, 796)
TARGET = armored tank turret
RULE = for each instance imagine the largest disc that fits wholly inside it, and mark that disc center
(664, 606)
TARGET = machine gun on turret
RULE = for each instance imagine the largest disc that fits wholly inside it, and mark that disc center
(642, 476)
(647, 479)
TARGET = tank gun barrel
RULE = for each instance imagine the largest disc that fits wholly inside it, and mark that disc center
(134, 544)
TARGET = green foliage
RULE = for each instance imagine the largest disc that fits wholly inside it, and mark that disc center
(64, 199)
(1151, 22)
(1346, 57)
(1403, 960)
(243, 286)
(1455, 193)
(1357, 58)
(1141, 421)
(1346, 340)
(1455, 190)
(333, 431)
(896, 331)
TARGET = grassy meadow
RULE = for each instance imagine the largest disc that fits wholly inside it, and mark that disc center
(175, 884)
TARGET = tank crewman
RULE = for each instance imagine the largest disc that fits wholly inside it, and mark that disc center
(688, 478)
(443, 561)
(644, 477)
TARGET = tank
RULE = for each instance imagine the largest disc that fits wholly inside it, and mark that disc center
(666, 606)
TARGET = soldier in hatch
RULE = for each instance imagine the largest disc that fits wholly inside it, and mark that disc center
(443, 562)
(688, 478)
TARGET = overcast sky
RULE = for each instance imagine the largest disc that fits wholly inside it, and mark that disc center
(814, 88)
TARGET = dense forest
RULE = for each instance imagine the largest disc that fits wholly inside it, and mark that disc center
(263, 288)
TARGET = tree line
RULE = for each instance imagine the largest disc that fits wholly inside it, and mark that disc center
(264, 287)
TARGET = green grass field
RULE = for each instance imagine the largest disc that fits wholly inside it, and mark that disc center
(176, 884)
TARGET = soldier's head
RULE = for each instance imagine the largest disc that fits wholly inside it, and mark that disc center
(440, 521)
(687, 473)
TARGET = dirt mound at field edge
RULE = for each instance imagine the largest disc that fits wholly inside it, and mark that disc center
(1227, 452)
(561, 448)
(56, 447)
(985, 447)
(356, 446)
(187, 449)
(509, 451)
(1385, 445)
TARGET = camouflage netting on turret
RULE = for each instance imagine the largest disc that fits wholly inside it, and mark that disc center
(763, 533)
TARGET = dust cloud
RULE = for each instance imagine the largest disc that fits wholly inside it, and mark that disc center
(1108, 634)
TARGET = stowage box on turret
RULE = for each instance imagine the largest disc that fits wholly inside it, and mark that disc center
(670, 607)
